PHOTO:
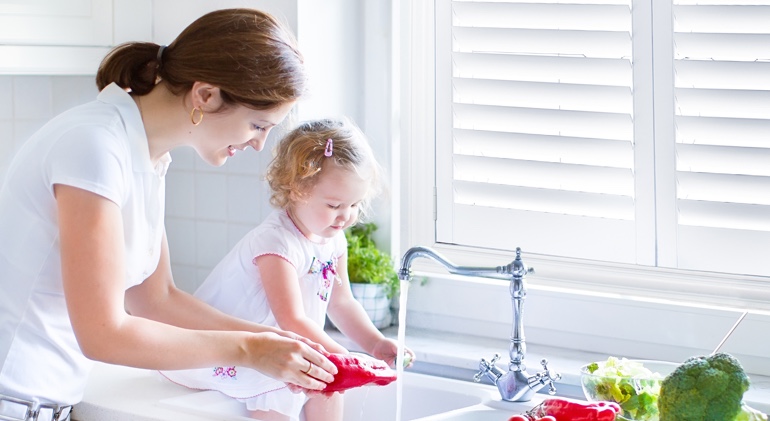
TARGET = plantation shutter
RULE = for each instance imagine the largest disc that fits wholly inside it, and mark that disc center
(722, 126)
(535, 127)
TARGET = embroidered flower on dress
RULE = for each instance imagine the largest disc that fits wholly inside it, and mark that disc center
(225, 372)
(328, 272)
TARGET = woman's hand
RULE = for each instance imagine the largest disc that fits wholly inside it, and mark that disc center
(290, 359)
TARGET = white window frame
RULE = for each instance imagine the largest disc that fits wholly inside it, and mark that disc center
(569, 300)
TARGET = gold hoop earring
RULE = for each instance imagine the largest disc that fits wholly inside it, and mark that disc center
(192, 116)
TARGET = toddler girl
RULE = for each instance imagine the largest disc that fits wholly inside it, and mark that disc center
(291, 271)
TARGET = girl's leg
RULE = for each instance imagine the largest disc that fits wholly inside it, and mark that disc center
(268, 416)
(323, 408)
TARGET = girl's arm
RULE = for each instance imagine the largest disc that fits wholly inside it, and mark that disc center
(279, 278)
(350, 317)
(93, 270)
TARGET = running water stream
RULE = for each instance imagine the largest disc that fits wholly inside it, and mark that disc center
(401, 346)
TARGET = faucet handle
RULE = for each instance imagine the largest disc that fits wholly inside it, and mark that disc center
(488, 368)
(545, 377)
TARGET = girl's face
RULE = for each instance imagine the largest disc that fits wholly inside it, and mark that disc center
(332, 204)
(225, 133)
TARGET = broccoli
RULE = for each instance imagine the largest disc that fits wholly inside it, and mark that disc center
(705, 388)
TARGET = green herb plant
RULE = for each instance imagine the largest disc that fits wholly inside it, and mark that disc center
(366, 263)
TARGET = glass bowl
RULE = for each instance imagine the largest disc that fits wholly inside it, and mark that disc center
(633, 384)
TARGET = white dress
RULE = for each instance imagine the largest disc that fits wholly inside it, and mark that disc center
(235, 287)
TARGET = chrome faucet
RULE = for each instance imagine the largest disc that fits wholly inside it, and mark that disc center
(516, 384)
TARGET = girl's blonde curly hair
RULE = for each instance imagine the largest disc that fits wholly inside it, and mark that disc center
(299, 158)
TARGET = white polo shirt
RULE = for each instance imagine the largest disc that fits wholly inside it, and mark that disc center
(100, 147)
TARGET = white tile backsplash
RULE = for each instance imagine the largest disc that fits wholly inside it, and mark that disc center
(211, 243)
(180, 194)
(185, 277)
(183, 159)
(6, 98)
(237, 231)
(182, 238)
(7, 145)
(244, 195)
(32, 97)
(68, 92)
(211, 196)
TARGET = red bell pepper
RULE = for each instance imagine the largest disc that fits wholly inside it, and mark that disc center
(354, 370)
(563, 409)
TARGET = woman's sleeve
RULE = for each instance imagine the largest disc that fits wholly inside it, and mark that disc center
(92, 159)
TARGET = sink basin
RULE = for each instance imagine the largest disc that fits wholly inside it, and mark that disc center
(423, 396)
(490, 410)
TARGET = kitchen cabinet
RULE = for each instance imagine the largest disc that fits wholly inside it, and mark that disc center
(67, 37)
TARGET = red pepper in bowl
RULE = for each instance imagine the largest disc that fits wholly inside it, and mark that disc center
(355, 370)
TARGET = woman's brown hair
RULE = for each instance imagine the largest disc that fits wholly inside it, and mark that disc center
(248, 54)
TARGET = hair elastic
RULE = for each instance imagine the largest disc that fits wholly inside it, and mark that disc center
(329, 148)
(159, 57)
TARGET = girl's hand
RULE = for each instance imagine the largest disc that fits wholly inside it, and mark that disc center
(387, 350)
(290, 360)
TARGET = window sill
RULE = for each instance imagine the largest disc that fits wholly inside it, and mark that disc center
(457, 356)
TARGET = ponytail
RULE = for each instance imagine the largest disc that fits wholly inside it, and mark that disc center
(133, 65)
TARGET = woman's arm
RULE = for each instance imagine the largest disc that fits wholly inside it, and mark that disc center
(159, 299)
(279, 278)
(93, 268)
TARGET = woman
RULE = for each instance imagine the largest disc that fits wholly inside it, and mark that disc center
(84, 261)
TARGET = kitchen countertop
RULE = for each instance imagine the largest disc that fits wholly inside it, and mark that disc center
(119, 393)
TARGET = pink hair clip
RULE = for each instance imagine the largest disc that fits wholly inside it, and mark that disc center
(329, 148)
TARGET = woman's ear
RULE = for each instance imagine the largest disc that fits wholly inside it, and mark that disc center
(205, 96)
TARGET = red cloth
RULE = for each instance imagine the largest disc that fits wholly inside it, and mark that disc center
(355, 370)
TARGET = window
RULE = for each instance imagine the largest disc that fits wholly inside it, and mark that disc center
(621, 136)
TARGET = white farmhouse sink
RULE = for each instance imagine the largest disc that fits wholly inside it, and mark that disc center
(489, 410)
(424, 398)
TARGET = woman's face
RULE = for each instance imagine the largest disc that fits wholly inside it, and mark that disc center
(221, 135)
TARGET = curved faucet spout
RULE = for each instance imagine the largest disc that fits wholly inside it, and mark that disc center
(498, 272)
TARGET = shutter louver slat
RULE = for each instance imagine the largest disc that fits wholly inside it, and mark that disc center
(579, 70)
(542, 121)
(568, 150)
(730, 132)
(544, 200)
(705, 158)
(562, 96)
(532, 41)
(551, 15)
(548, 175)
(723, 103)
